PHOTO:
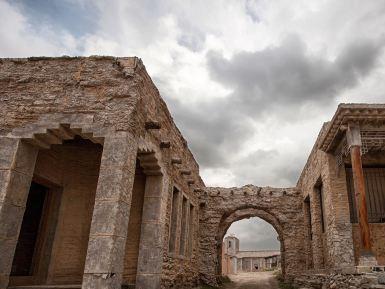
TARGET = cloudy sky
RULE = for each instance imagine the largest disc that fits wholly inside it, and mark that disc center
(249, 82)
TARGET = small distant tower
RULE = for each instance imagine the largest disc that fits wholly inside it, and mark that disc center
(230, 249)
(231, 245)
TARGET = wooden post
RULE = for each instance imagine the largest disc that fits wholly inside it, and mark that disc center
(354, 143)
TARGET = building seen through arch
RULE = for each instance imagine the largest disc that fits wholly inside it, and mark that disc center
(236, 261)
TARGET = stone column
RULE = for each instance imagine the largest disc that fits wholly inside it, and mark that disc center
(150, 257)
(241, 267)
(339, 238)
(316, 220)
(235, 265)
(17, 163)
(354, 142)
(108, 233)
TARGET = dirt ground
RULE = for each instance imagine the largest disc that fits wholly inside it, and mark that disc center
(256, 280)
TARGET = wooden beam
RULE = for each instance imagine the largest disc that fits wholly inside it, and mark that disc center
(176, 161)
(152, 125)
(354, 143)
(165, 144)
(185, 172)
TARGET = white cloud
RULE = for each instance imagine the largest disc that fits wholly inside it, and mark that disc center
(20, 39)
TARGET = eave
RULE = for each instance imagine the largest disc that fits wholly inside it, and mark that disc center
(362, 114)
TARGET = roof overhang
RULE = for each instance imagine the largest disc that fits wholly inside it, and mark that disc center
(362, 114)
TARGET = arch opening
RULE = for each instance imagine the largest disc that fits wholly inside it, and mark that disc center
(234, 258)
(250, 245)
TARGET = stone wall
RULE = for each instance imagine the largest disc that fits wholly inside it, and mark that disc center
(333, 246)
(111, 101)
(340, 281)
(220, 207)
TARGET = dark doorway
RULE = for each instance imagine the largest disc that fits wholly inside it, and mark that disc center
(23, 261)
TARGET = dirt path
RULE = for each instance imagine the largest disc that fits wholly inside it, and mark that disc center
(257, 280)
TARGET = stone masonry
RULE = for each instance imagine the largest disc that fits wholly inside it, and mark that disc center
(98, 188)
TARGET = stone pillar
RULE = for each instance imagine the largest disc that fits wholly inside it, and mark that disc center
(108, 233)
(17, 163)
(339, 238)
(354, 143)
(150, 257)
(317, 234)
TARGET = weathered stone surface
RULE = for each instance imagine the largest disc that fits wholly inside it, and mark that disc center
(124, 134)
(225, 206)
(110, 218)
(338, 281)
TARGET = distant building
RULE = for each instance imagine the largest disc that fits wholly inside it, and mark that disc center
(235, 261)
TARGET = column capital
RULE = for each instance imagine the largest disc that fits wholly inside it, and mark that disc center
(353, 135)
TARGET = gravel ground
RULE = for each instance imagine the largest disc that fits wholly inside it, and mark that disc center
(257, 280)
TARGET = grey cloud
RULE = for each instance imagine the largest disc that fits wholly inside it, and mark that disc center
(276, 82)
(255, 234)
(268, 167)
(192, 37)
(214, 130)
(288, 172)
(288, 76)
(251, 11)
(77, 18)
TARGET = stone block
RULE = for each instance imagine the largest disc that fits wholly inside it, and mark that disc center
(115, 183)
(17, 155)
(25, 158)
(10, 220)
(102, 281)
(151, 235)
(110, 218)
(4, 280)
(8, 148)
(148, 281)
(150, 260)
(119, 150)
(154, 186)
(105, 254)
(381, 278)
(7, 250)
(151, 209)
(363, 269)
(14, 187)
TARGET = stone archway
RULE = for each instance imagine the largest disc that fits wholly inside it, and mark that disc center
(220, 207)
(244, 213)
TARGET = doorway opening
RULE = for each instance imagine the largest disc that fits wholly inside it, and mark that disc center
(30, 232)
(53, 239)
(250, 246)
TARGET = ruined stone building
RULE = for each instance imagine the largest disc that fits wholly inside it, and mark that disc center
(235, 261)
(99, 189)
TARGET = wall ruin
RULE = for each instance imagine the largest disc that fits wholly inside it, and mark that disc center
(137, 161)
